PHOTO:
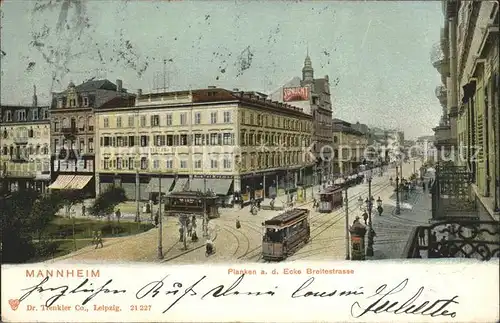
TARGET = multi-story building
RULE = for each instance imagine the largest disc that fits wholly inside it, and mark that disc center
(25, 146)
(316, 102)
(210, 139)
(349, 148)
(469, 68)
(73, 133)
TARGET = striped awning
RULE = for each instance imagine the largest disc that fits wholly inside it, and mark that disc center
(154, 185)
(180, 184)
(219, 186)
(61, 182)
(79, 182)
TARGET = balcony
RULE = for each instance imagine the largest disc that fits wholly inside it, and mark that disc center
(441, 94)
(20, 140)
(69, 132)
(459, 238)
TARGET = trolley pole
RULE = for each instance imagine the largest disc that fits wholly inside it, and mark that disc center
(160, 223)
(347, 253)
(205, 218)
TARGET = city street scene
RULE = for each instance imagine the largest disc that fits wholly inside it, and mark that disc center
(236, 134)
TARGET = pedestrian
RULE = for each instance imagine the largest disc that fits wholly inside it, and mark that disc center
(423, 186)
(356, 220)
(365, 217)
(189, 229)
(181, 234)
(99, 240)
(421, 236)
(118, 214)
(157, 218)
(83, 210)
(193, 222)
(94, 237)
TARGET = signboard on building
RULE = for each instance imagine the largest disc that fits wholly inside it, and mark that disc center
(295, 94)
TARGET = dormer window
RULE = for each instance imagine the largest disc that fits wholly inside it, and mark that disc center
(35, 114)
(8, 116)
(45, 113)
(72, 103)
(60, 103)
(85, 101)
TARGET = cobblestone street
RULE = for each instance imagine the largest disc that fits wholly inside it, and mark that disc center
(244, 244)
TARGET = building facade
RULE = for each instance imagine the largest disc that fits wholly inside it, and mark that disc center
(349, 148)
(72, 133)
(25, 146)
(318, 104)
(470, 75)
(232, 143)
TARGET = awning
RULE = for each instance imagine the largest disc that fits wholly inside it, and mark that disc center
(219, 186)
(179, 184)
(79, 182)
(154, 185)
(61, 182)
(198, 184)
(42, 177)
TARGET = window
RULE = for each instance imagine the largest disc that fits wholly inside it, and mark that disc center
(183, 140)
(156, 164)
(227, 138)
(131, 163)
(91, 145)
(251, 118)
(131, 122)
(143, 121)
(60, 103)
(198, 139)
(118, 122)
(35, 114)
(184, 163)
(8, 116)
(85, 101)
(91, 123)
(169, 119)
(56, 145)
(144, 141)
(197, 164)
(119, 141)
(106, 163)
(81, 124)
(144, 163)
(335, 139)
(81, 146)
(227, 162)
(197, 118)
(213, 163)
(72, 103)
(118, 163)
(183, 118)
(213, 139)
(213, 117)
(155, 120)
(106, 122)
(160, 140)
(30, 133)
(169, 164)
(170, 140)
(125, 163)
(227, 116)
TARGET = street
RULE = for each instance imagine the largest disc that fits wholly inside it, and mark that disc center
(244, 245)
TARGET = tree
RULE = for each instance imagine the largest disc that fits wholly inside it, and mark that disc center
(44, 210)
(106, 202)
(69, 198)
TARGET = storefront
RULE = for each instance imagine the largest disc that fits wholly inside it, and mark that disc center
(75, 174)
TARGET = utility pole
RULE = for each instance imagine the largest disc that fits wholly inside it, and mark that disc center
(398, 206)
(137, 161)
(205, 215)
(347, 253)
(369, 250)
(160, 223)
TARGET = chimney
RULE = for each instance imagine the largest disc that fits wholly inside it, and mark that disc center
(212, 87)
(119, 86)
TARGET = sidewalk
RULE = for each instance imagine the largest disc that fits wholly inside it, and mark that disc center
(393, 231)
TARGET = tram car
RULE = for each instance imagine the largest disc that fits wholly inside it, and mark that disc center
(330, 199)
(285, 233)
(192, 202)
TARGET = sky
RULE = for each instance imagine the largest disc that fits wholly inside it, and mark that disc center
(376, 53)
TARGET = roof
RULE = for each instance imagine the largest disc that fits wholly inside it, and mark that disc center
(331, 189)
(340, 127)
(96, 85)
(190, 194)
(320, 85)
(119, 102)
(287, 216)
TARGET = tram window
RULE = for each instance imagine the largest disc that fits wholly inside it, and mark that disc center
(326, 198)
(274, 235)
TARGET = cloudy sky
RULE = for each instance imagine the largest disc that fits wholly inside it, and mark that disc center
(375, 53)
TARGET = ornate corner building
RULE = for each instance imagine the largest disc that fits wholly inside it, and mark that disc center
(468, 135)
(73, 132)
(24, 144)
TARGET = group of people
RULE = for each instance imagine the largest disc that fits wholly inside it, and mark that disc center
(97, 239)
(190, 227)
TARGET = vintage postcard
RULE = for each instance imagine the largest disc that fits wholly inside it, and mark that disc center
(249, 161)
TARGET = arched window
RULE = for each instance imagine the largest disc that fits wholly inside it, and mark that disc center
(65, 123)
(90, 123)
(81, 123)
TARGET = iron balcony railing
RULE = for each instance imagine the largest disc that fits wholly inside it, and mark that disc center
(455, 239)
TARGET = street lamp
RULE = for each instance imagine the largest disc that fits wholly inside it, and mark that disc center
(347, 253)
(371, 232)
(398, 206)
